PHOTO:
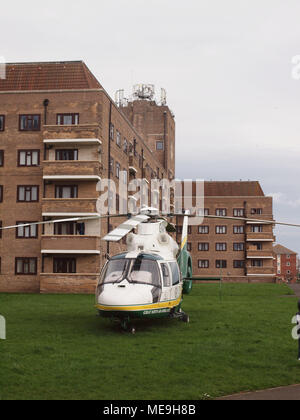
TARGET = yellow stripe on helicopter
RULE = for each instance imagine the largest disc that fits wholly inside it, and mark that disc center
(133, 308)
(184, 243)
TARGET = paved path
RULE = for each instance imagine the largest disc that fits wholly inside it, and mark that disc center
(289, 393)
(296, 289)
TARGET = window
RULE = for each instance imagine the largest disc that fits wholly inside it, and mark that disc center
(68, 154)
(288, 257)
(30, 123)
(203, 263)
(179, 229)
(69, 228)
(221, 264)
(166, 275)
(125, 146)
(28, 158)
(175, 273)
(288, 264)
(221, 247)
(26, 266)
(288, 272)
(203, 246)
(256, 229)
(203, 230)
(1, 193)
(67, 119)
(66, 191)
(203, 212)
(112, 166)
(238, 212)
(28, 193)
(257, 263)
(111, 132)
(189, 247)
(26, 232)
(1, 158)
(239, 264)
(125, 176)
(221, 230)
(160, 145)
(221, 212)
(118, 169)
(239, 246)
(257, 245)
(238, 230)
(256, 211)
(2, 122)
(64, 265)
(118, 141)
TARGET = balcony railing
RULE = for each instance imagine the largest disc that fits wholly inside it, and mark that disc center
(259, 254)
(72, 168)
(82, 131)
(260, 271)
(69, 205)
(72, 243)
(261, 236)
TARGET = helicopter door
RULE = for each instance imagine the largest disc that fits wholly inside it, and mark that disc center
(167, 282)
(176, 289)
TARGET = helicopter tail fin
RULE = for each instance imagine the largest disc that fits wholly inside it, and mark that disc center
(184, 259)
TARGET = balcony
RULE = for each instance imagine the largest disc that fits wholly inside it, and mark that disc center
(86, 132)
(261, 271)
(70, 244)
(81, 170)
(260, 237)
(254, 254)
(69, 206)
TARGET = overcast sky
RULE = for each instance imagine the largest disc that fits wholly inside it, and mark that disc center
(226, 66)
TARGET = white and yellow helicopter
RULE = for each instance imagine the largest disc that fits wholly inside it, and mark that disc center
(151, 277)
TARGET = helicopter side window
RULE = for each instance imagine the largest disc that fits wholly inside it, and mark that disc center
(166, 275)
(175, 273)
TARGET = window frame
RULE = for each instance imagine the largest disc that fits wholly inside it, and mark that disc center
(74, 151)
(73, 189)
(27, 227)
(31, 117)
(26, 187)
(74, 115)
(3, 123)
(24, 261)
(28, 152)
(206, 264)
(65, 260)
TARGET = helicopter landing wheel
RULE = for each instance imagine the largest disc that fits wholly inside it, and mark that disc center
(185, 318)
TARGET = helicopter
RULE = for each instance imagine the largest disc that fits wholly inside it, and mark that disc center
(149, 280)
(151, 277)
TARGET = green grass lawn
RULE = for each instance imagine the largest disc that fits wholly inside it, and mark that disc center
(57, 348)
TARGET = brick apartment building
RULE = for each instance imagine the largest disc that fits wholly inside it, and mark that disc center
(60, 134)
(233, 249)
(285, 264)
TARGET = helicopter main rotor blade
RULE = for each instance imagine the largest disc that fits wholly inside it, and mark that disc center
(243, 219)
(73, 219)
(117, 234)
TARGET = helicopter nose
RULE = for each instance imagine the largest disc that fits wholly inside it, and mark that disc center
(124, 294)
